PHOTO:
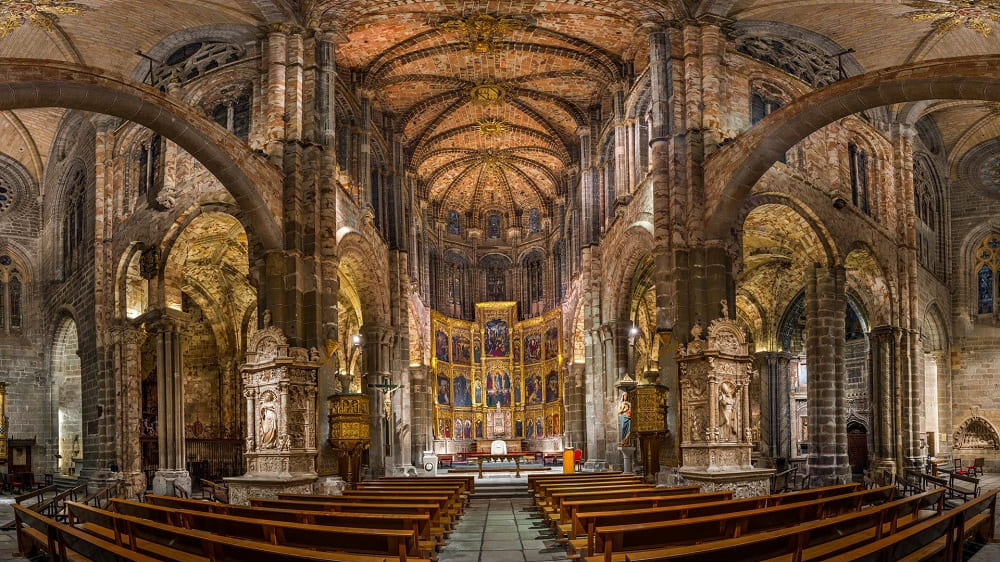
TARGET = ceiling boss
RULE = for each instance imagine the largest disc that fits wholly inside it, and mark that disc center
(42, 14)
(976, 15)
(483, 32)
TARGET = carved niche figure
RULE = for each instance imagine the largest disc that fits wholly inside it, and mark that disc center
(624, 417)
(268, 423)
(727, 412)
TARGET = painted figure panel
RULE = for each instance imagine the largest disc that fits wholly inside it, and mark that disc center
(497, 388)
(496, 338)
(532, 348)
(443, 390)
(551, 387)
(533, 390)
(463, 395)
(552, 343)
(460, 352)
(441, 345)
(517, 390)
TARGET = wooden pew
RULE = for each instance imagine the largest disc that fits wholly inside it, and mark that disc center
(534, 480)
(816, 540)
(440, 522)
(456, 489)
(63, 542)
(167, 542)
(615, 540)
(555, 510)
(419, 523)
(390, 542)
(452, 502)
(937, 538)
(540, 488)
(571, 509)
(468, 481)
(589, 521)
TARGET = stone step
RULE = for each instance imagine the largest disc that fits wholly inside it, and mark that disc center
(65, 482)
(488, 490)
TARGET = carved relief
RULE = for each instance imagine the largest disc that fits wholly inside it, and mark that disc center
(976, 433)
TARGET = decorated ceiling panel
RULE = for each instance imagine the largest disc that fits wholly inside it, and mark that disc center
(490, 95)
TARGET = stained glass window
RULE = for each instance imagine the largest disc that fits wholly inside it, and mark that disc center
(14, 297)
(493, 226)
(985, 290)
(453, 226)
(987, 258)
(534, 221)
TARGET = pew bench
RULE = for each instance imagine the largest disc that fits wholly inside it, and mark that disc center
(440, 523)
(167, 542)
(810, 541)
(615, 540)
(37, 533)
(936, 538)
(418, 523)
(535, 479)
(570, 524)
(388, 542)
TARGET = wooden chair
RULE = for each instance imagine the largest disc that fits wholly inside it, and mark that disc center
(976, 468)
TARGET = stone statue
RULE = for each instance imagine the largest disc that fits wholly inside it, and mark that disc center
(727, 412)
(624, 417)
(268, 427)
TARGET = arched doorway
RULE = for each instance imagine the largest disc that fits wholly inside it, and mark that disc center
(66, 397)
(857, 447)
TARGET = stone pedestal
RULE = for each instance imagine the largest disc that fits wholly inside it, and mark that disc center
(165, 480)
(279, 384)
(329, 486)
(596, 465)
(628, 453)
(242, 488)
(716, 437)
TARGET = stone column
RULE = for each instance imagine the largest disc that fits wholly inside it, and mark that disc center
(575, 426)
(170, 408)
(884, 402)
(274, 96)
(826, 302)
(128, 402)
(375, 370)
(590, 200)
(421, 411)
(775, 409)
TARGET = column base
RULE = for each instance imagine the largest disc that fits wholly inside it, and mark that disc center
(403, 470)
(133, 483)
(747, 483)
(268, 485)
(329, 486)
(165, 482)
(628, 454)
(596, 465)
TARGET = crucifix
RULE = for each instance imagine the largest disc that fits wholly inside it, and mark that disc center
(386, 387)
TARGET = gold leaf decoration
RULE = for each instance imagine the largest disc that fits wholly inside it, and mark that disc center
(947, 16)
(483, 33)
(488, 93)
(42, 14)
(491, 127)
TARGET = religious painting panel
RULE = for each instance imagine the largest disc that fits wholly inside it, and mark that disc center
(517, 390)
(443, 390)
(551, 387)
(461, 352)
(479, 426)
(467, 428)
(441, 345)
(479, 392)
(529, 430)
(498, 385)
(477, 350)
(539, 433)
(533, 390)
(496, 338)
(552, 343)
(532, 348)
(462, 391)
(444, 425)
(458, 428)
(517, 350)
(519, 427)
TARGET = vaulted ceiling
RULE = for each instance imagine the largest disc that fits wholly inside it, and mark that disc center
(492, 121)
(490, 95)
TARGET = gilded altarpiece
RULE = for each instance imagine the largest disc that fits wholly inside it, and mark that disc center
(497, 378)
(279, 385)
(716, 435)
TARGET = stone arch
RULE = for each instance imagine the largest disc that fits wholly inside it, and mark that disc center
(254, 182)
(360, 261)
(17, 187)
(131, 289)
(732, 171)
(976, 432)
(868, 284)
(636, 243)
(67, 396)
(228, 33)
(965, 275)
(933, 330)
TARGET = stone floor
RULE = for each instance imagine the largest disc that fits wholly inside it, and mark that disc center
(501, 530)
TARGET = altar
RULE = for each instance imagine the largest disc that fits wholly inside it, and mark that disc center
(513, 445)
